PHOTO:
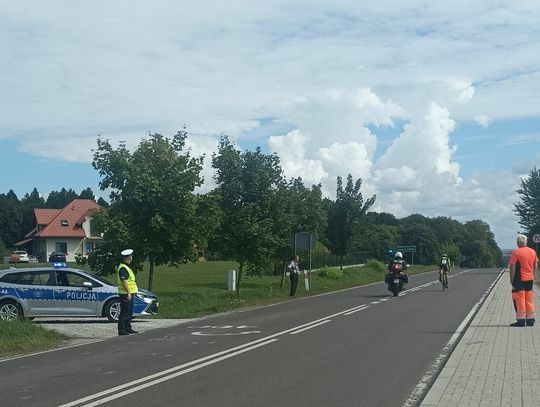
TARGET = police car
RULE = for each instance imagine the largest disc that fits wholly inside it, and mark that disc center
(64, 292)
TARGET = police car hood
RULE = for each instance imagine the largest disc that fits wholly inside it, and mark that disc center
(146, 293)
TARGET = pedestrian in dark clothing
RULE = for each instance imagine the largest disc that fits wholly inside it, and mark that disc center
(293, 274)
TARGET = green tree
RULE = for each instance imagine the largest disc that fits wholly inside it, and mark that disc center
(102, 202)
(252, 227)
(152, 198)
(414, 231)
(60, 199)
(10, 218)
(209, 217)
(528, 210)
(480, 248)
(376, 239)
(30, 202)
(87, 194)
(345, 216)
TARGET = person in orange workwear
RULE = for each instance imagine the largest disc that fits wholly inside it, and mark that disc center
(523, 263)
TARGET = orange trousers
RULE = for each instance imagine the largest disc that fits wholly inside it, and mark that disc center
(523, 304)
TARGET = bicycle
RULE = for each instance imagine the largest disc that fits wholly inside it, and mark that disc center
(443, 278)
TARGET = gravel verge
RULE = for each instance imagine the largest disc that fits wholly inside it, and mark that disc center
(83, 330)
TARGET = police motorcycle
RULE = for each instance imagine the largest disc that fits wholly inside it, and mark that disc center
(396, 277)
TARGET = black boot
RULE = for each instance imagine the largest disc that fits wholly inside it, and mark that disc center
(518, 323)
(530, 322)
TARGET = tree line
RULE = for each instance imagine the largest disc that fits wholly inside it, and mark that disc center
(248, 217)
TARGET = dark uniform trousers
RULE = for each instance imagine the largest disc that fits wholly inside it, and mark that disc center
(294, 282)
(126, 313)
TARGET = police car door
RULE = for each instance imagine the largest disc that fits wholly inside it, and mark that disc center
(72, 297)
(36, 292)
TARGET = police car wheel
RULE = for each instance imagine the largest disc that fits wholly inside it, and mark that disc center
(112, 310)
(10, 310)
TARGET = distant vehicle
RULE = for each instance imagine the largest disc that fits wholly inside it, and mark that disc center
(60, 291)
(57, 257)
(19, 256)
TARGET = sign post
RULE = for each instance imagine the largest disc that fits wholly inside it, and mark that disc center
(305, 241)
(536, 240)
(407, 249)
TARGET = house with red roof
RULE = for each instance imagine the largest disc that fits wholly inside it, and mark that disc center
(69, 230)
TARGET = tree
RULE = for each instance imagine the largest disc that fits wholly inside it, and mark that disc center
(413, 232)
(60, 199)
(253, 220)
(528, 210)
(10, 218)
(480, 248)
(376, 239)
(345, 216)
(30, 202)
(103, 203)
(209, 214)
(87, 194)
(152, 200)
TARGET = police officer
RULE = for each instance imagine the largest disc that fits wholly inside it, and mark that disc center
(294, 270)
(127, 288)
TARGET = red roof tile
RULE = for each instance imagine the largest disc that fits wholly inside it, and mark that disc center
(45, 216)
(73, 214)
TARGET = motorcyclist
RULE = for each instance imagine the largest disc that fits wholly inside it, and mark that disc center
(444, 266)
(396, 268)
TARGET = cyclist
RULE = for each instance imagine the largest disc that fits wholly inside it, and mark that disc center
(444, 269)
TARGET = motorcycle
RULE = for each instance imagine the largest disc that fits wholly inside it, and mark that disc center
(395, 282)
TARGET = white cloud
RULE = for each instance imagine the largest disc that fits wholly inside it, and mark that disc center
(291, 149)
(482, 120)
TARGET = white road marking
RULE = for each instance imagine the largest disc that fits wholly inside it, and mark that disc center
(198, 333)
(309, 327)
(172, 375)
(356, 310)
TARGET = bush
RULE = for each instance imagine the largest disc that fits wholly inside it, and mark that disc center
(376, 266)
(330, 273)
(80, 259)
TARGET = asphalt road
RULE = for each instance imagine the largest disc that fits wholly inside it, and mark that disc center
(356, 347)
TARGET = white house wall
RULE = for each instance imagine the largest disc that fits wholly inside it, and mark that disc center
(74, 246)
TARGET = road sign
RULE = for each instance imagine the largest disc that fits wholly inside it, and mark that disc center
(406, 249)
(536, 238)
(303, 241)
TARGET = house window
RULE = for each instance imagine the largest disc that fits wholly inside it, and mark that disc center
(61, 247)
(64, 222)
(89, 248)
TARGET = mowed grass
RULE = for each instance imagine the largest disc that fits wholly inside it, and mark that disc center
(24, 336)
(194, 290)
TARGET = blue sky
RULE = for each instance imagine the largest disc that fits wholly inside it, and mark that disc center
(411, 97)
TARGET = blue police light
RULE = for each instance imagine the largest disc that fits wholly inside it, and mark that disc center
(59, 265)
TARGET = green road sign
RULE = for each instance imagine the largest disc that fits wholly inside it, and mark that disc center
(406, 249)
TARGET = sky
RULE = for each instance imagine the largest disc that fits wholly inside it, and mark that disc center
(434, 105)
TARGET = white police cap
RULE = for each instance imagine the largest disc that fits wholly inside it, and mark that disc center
(127, 252)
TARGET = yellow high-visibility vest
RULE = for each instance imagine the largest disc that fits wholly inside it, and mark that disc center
(132, 285)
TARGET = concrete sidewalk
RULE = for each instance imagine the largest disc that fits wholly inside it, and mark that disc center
(493, 364)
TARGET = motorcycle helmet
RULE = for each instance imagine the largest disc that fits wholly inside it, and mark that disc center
(398, 255)
(444, 255)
